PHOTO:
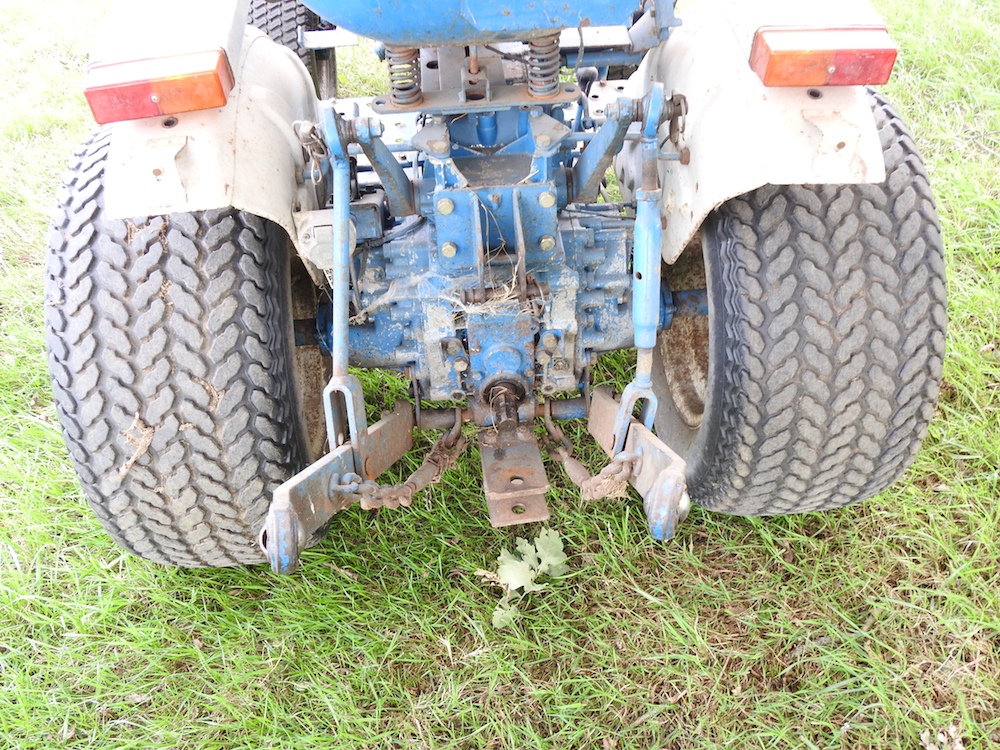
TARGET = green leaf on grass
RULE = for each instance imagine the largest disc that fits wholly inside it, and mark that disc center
(527, 551)
(505, 614)
(552, 559)
(518, 572)
(515, 573)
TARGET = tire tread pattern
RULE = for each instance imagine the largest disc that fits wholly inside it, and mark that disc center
(280, 21)
(833, 302)
(171, 367)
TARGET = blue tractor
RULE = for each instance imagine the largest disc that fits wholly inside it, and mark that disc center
(540, 183)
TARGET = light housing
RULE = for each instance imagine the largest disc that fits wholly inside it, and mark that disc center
(154, 87)
(851, 56)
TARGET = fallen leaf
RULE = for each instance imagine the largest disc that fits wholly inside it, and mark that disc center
(515, 573)
(552, 559)
(505, 614)
(488, 576)
(527, 552)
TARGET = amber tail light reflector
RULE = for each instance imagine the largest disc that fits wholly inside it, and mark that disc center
(823, 57)
(162, 86)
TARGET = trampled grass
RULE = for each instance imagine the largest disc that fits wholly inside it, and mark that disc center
(862, 628)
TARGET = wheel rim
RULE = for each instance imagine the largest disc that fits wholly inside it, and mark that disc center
(683, 352)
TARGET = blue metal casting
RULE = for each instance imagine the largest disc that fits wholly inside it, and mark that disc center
(394, 180)
(593, 163)
(473, 254)
(416, 23)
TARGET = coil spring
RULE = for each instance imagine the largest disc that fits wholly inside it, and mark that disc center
(543, 67)
(404, 76)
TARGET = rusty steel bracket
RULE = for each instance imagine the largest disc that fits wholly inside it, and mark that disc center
(513, 475)
(658, 473)
(303, 505)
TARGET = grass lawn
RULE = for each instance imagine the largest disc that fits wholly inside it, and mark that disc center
(864, 628)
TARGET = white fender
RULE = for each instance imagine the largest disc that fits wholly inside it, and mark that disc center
(740, 134)
(244, 155)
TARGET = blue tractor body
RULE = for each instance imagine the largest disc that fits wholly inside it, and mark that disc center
(419, 23)
(474, 246)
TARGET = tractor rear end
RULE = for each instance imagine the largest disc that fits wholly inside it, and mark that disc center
(240, 238)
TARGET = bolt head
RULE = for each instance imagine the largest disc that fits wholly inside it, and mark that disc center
(547, 199)
(543, 141)
(461, 364)
(547, 244)
(446, 206)
(449, 249)
(550, 340)
(543, 358)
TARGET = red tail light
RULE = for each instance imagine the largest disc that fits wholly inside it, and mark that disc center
(823, 57)
(161, 86)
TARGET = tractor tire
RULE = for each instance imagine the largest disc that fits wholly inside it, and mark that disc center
(280, 19)
(171, 354)
(812, 381)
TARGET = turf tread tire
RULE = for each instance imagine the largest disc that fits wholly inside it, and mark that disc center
(280, 21)
(828, 336)
(170, 359)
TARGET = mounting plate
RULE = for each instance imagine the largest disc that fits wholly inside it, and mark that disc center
(513, 475)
